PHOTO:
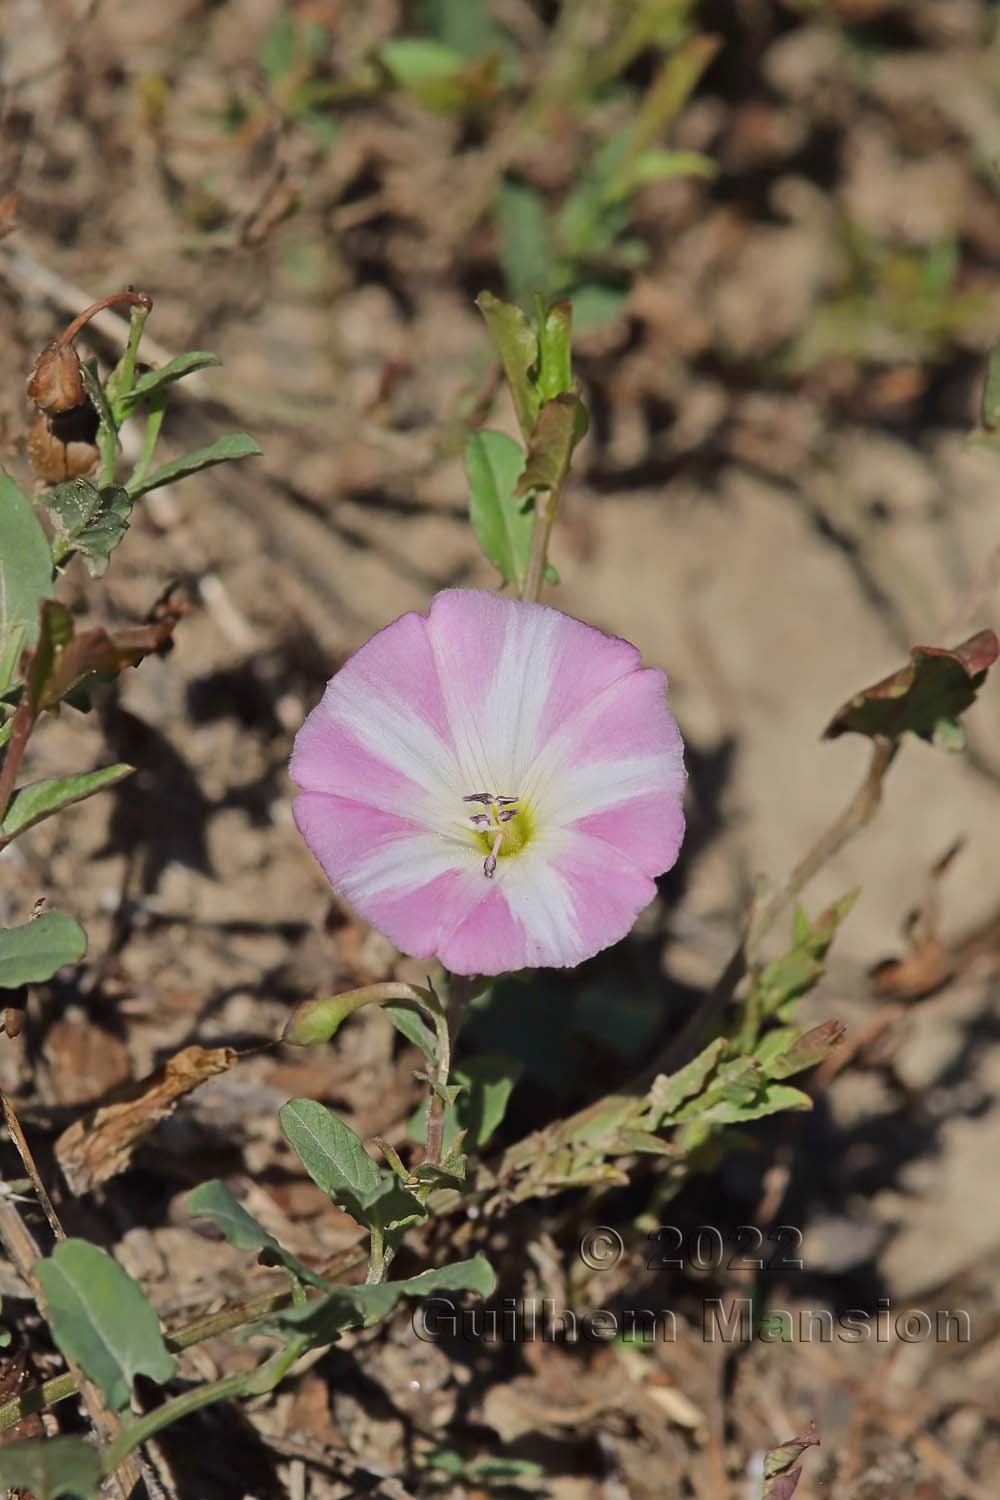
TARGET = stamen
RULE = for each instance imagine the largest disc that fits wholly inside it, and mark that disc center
(499, 811)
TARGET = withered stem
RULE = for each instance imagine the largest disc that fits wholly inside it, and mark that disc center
(136, 299)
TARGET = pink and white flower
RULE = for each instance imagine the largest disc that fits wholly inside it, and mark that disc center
(493, 783)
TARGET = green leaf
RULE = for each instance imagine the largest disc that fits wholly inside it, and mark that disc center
(515, 338)
(393, 1205)
(467, 26)
(32, 953)
(213, 1200)
(414, 61)
(775, 1099)
(99, 398)
(657, 164)
(51, 1468)
(40, 799)
(100, 1318)
(89, 521)
(175, 369)
(555, 372)
(276, 53)
(525, 246)
(488, 1084)
(333, 1154)
(561, 423)
(493, 464)
(596, 303)
(409, 1022)
(326, 1318)
(794, 973)
(25, 575)
(668, 1092)
(782, 1053)
(233, 445)
(937, 684)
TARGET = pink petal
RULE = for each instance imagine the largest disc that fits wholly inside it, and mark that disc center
(489, 694)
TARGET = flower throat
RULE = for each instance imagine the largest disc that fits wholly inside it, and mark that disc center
(502, 828)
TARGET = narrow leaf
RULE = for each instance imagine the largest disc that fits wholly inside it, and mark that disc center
(233, 445)
(40, 799)
(25, 574)
(656, 165)
(32, 953)
(525, 247)
(669, 1092)
(503, 527)
(518, 346)
(325, 1319)
(213, 1200)
(101, 1319)
(408, 1021)
(413, 61)
(805, 1050)
(556, 434)
(776, 1098)
(555, 374)
(333, 1154)
(154, 380)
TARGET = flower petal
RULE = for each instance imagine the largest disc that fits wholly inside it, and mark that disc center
(616, 771)
(381, 731)
(492, 695)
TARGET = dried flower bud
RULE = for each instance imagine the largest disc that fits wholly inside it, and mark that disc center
(54, 460)
(56, 383)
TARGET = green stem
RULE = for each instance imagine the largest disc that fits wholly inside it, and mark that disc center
(154, 421)
(250, 1383)
(546, 510)
(377, 1264)
(61, 1387)
(436, 1108)
(122, 376)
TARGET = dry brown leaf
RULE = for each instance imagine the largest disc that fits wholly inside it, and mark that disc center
(101, 1144)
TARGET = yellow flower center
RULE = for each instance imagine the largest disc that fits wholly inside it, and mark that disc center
(501, 826)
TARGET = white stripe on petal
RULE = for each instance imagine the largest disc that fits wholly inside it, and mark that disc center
(542, 901)
(409, 861)
(495, 675)
(395, 734)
